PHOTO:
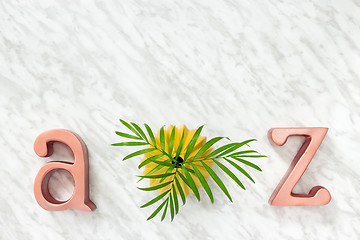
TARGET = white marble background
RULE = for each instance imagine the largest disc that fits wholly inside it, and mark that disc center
(240, 67)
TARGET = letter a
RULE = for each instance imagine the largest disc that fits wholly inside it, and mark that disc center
(79, 171)
(283, 196)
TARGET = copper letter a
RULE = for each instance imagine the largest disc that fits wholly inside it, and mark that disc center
(79, 170)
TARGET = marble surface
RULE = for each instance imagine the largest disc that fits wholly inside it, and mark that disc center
(240, 67)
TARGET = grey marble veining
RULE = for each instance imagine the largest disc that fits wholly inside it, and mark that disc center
(240, 67)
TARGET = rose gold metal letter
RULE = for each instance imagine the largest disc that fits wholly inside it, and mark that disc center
(79, 170)
(283, 196)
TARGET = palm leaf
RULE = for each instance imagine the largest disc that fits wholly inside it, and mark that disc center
(203, 183)
(165, 209)
(181, 192)
(191, 183)
(192, 142)
(219, 150)
(140, 131)
(164, 163)
(184, 179)
(171, 142)
(229, 173)
(130, 127)
(237, 145)
(189, 169)
(206, 146)
(162, 138)
(129, 144)
(155, 169)
(168, 142)
(240, 169)
(251, 156)
(151, 134)
(243, 152)
(137, 153)
(149, 160)
(176, 201)
(226, 148)
(169, 170)
(154, 200)
(156, 187)
(217, 180)
(248, 163)
(171, 207)
(125, 135)
(158, 176)
(157, 210)
(178, 151)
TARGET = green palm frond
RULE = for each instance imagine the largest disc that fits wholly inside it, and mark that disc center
(170, 203)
